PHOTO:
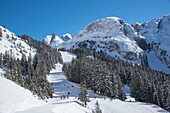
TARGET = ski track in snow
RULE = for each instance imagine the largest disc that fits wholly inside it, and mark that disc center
(72, 105)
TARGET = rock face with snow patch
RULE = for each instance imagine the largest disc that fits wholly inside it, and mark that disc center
(157, 35)
(112, 36)
(53, 40)
(66, 37)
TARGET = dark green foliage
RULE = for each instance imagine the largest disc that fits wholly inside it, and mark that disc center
(31, 73)
(97, 75)
(83, 95)
(104, 72)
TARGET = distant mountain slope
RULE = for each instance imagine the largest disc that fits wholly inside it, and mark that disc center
(66, 37)
(127, 42)
(112, 36)
(54, 40)
(157, 35)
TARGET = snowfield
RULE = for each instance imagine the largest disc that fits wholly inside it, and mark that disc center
(14, 98)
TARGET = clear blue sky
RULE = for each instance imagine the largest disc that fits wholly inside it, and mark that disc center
(38, 18)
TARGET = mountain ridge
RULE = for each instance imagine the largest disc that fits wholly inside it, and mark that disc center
(130, 43)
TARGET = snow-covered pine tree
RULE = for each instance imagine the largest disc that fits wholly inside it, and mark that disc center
(97, 108)
(83, 95)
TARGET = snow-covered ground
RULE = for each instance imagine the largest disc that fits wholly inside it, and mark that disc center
(15, 98)
(67, 57)
(67, 105)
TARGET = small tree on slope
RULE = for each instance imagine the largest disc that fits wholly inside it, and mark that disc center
(97, 108)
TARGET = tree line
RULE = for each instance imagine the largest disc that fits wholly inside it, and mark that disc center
(107, 75)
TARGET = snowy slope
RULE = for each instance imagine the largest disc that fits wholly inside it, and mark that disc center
(11, 43)
(72, 105)
(157, 35)
(15, 98)
(67, 57)
(155, 63)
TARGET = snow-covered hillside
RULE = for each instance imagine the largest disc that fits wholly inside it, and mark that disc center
(15, 98)
(111, 35)
(18, 100)
(13, 44)
(67, 57)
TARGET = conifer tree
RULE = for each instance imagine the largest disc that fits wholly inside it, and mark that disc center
(83, 95)
(97, 108)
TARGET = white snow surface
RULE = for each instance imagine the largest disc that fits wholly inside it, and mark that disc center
(15, 98)
(10, 42)
(67, 57)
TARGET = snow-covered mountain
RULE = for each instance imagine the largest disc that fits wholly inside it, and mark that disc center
(132, 43)
(113, 36)
(157, 35)
(54, 40)
(13, 44)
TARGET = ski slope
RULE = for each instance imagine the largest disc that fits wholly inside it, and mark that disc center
(72, 105)
(15, 98)
(67, 57)
(68, 105)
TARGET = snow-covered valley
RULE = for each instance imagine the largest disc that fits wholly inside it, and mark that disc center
(15, 99)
